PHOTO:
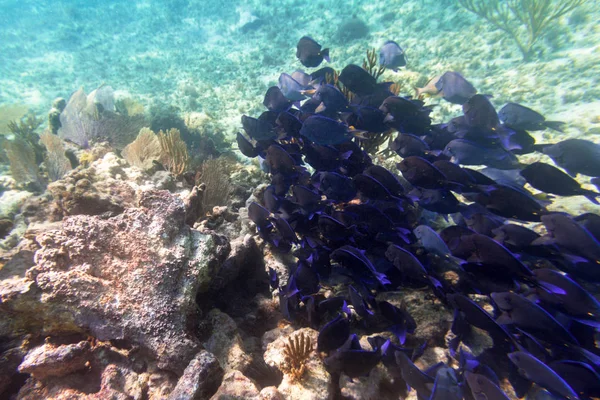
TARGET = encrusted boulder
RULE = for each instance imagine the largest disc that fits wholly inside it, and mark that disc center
(236, 386)
(132, 278)
(56, 361)
(200, 379)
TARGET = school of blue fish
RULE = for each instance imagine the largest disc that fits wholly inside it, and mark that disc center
(360, 229)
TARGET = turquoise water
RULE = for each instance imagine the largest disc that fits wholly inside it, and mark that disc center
(230, 53)
(200, 65)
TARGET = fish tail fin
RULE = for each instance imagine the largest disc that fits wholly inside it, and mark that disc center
(540, 147)
(418, 92)
(592, 196)
(555, 125)
(325, 54)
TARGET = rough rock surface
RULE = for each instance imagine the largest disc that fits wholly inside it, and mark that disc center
(226, 343)
(49, 361)
(200, 379)
(316, 381)
(133, 278)
(236, 386)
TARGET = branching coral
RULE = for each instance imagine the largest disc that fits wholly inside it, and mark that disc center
(525, 21)
(296, 353)
(370, 64)
(174, 155)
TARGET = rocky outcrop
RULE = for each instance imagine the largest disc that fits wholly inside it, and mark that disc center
(131, 280)
(200, 379)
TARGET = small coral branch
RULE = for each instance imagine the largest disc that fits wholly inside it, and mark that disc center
(174, 155)
(296, 353)
(525, 21)
(370, 64)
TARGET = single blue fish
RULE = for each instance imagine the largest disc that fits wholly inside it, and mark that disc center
(325, 131)
(538, 372)
(391, 56)
(309, 52)
(453, 87)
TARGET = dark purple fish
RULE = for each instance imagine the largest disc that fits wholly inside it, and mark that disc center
(511, 202)
(279, 160)
(391, 56)
(309, 52)
(275, 100)
(308, 200)
(483, 222)
(455, 173)
(591, 222)
(370, 188)
(407, 264)
(466, 152)
(289, 123)
(552, 180)
(386, 178)
(538, 372)
(402, 322)
(406, 115)
(446, 386)
(370, 119)
(336, 187)
(483, 388)
(565, 294)
(491, 253)
(514, 236)
(291, 88)
(258, 129)
(302, 77)
(360, 266)
(480, 113)
(358, 81)
(353, 361)
(572, 236)
(245, 146)
(306, 279)
(518, 116)
(531, 318)
(324, 131)
(421, 173)
(333, 334)
(440, 201)
(478, 317)
(406, 145)
(454, 88)
(414, 377)
(576, 156)
(334, 230)
(332, 100)
(584, 380)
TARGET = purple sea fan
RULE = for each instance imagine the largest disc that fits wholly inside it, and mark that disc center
(92, 117)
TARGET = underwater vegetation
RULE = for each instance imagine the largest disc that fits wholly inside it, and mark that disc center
(525, 21)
